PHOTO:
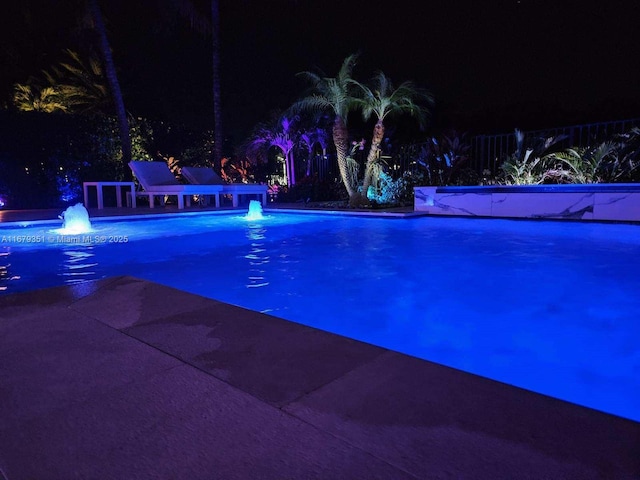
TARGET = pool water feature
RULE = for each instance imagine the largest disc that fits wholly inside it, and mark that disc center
(255, 211)
(547, 306)
(75, 219)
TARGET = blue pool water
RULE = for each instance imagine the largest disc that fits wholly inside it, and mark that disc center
(552, 307)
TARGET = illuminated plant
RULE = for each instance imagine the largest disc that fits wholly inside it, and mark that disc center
(382, 101)
(614, 160)
(280, 134)
(531, 163)
(334, 94)
(80, 83)
(27, 98)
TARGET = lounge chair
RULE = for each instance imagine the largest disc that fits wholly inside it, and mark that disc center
(206, 176)
(157, 180)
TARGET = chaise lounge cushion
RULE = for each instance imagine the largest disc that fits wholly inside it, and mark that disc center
(202, 176)
(206, 176)
(153, 174)
(156, 179)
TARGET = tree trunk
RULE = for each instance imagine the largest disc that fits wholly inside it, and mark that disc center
(112, 78)
(291, 177)
(218, 136)
(341, 141)
(374, 154)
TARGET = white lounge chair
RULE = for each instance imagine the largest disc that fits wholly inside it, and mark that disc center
(207, 176)
(157, 180)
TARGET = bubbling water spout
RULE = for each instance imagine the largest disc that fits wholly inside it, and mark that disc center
(75, 219)
(255, 211)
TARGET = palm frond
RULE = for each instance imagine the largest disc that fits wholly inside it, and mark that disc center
(27, 98)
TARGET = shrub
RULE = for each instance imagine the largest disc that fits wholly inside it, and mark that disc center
(614, 160)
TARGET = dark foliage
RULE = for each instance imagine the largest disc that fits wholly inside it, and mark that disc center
(44, 158)
(312, 189)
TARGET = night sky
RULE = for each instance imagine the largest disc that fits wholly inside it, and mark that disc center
(491, 65)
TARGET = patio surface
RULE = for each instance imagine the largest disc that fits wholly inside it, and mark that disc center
(123, 378)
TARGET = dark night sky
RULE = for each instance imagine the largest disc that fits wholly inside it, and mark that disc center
(492, 65)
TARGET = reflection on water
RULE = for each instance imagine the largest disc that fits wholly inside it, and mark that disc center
(257, 256)
(5, 271)
(78, 265)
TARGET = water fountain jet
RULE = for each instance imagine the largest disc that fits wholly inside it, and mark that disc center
(255, 211)
(75, 219)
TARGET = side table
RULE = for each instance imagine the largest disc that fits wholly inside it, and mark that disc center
(99, 188)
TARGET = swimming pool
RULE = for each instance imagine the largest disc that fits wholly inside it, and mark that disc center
(552, 307)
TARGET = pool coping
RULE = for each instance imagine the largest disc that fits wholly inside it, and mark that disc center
(21, 218)
(122, 378)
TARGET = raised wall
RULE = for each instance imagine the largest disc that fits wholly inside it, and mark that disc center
(602, 202)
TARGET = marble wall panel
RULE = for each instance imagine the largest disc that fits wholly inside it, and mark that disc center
(575, 206)
(617, 206)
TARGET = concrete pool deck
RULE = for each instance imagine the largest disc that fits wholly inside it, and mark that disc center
(122, 378)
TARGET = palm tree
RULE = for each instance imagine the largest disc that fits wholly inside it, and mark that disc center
(383, 101)
(333, 94)
(205, 25)
(217, 95)
(112, 78)
(281, 135)
(80, 83)
(28, 98)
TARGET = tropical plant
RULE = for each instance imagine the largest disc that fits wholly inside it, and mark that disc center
(611, 161)
(441, 158)
(334, 94)
(395, 191)
(383, 101)
(580, 165)
(614, 160)
(531, 163)
(46, 169)
(353, 167)
(625, 164)
(237, 171)
(80, 84)
(281, 134)
(29, 98)
(525, 171)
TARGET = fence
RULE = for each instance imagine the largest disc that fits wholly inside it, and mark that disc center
(488, 151)
(320, 166)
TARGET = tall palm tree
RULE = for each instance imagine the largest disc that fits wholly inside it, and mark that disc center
(217, 95)
(208, 25)
(383, 101)
(112, 78)
(334, 94)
